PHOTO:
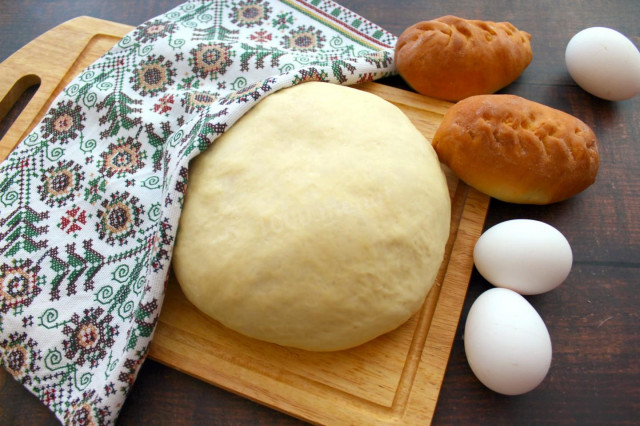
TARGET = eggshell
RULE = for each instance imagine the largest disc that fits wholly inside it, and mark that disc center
(507, 344)
(527, 256)
(605, 63)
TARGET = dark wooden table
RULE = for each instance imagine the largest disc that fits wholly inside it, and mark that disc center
(593, 318)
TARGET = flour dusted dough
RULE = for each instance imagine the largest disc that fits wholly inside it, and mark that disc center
(318, 221)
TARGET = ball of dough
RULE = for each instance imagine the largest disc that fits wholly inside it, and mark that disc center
(317, 221)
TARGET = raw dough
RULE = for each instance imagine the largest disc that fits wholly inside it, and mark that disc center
(318, 221)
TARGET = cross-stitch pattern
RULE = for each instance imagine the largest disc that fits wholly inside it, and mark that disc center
(90, 200)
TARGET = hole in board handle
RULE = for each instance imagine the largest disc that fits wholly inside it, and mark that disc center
(18, 97)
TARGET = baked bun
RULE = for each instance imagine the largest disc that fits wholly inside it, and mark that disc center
(517, 150)
(318, 221)
(453, 58)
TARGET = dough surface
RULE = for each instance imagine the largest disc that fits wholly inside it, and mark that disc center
(318, 221)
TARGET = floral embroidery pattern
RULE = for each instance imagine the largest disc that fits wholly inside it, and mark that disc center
(61, 183)
(283, 21)
(210, 60)
(153, 76)
(153, 30)
(94, 190)
(304, 39)
(21, 356)
(164, 105)
(74, 220)
(119, 219)
(250, 13)
(261, 37)
(89, 337)
(90, 199)
(122, 158)
(63, 122)
(18, 287)
(85, 410)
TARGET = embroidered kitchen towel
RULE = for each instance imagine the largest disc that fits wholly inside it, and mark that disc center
(90, 200)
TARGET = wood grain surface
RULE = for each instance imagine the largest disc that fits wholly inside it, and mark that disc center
(593, 317)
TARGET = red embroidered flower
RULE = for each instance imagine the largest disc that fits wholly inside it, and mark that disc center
(73, 220)
(164, 105)
(261, 36)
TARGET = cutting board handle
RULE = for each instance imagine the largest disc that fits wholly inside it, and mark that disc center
(48, 60)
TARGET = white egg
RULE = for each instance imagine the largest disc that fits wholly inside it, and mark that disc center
(527, 256)
(605, 63)
(507, 344)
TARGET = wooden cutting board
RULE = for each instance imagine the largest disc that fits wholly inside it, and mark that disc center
(394, 379)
